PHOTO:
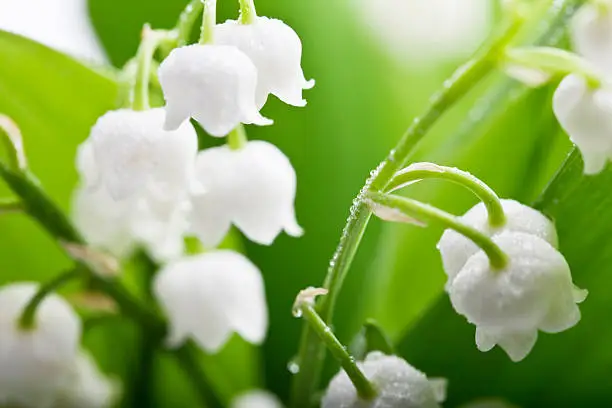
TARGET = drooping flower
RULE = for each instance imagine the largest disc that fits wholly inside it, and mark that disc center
(214, 84)
(508, 306)
(591, 34)
(399, 385)
(133, 153)
(456, 249)
(87, 387)
(35, 362)
(256, 399)
(252, 187)
(586, 115)
(146, 219)
(276, 51)
(209, 296)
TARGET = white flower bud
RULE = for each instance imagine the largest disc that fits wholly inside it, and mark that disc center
(148, 218)
(133, 153)
(399, 385)
(586, 115)
(214, 84)
(35, 363)
(87, 386)
(209, 296)
(252, 187)
(276, 51)
(508, 307)
(456, 249)
(256, 399)
(591, 34)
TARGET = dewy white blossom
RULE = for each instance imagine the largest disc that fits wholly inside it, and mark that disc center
(87, 387)
(118, 227)
(508, 307)
(256, 399)
(591, 34)
(399, 385)
(209, 296)
(456, 249)
(252, 187)
(214, 84)
(133, 153)
(35, 363)
(276, 51)
(586, 115)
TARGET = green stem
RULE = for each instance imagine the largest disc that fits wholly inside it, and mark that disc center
(424, 212)
(248, 13)
(237, 138)
(553, 61)
(186, 20)
(365, 389)
(464, 79)
(209, 20)
(151, 39)
(420, 171)
(187, 357)
(28, 315)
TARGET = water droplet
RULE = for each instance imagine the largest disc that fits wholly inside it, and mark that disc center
(293, 366)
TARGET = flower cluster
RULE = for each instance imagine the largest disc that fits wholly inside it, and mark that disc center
(533, 291)
(144, 184)
(47, 368)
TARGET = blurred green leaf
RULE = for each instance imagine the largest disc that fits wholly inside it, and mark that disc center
(569, 369)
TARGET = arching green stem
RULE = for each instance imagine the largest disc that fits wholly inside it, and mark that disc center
(427, 213)
(27, 320)
(186, 21)
(419, 171)
(151, 39)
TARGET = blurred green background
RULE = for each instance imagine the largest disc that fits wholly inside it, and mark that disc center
(366, 95)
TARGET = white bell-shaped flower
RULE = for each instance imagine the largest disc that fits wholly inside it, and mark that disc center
(508, 307)
(456, 249)
(586, 115)
(87, 386)
(133, 153)
(209, 296)
(399, 385)
(591, 34)
(276, 51)
(214, 84)
(119, 227)
(35, 363)
(252, 187)
(256, 399)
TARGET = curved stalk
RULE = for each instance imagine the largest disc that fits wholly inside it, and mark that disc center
(419, 171)
(209, 20)
(425, 212)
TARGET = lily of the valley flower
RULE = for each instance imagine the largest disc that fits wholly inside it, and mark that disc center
(87, 387)
(276, 51)
(591, 33)
(256, 399)
(214, 84)
(252, 187)
(399, 385)
(207, 297)
(508, 307)
(456, 249)
(586, 115)
(35, 362)
(148, 218)
(133, 153)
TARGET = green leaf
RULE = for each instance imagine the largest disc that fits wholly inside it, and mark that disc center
(568, 369)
